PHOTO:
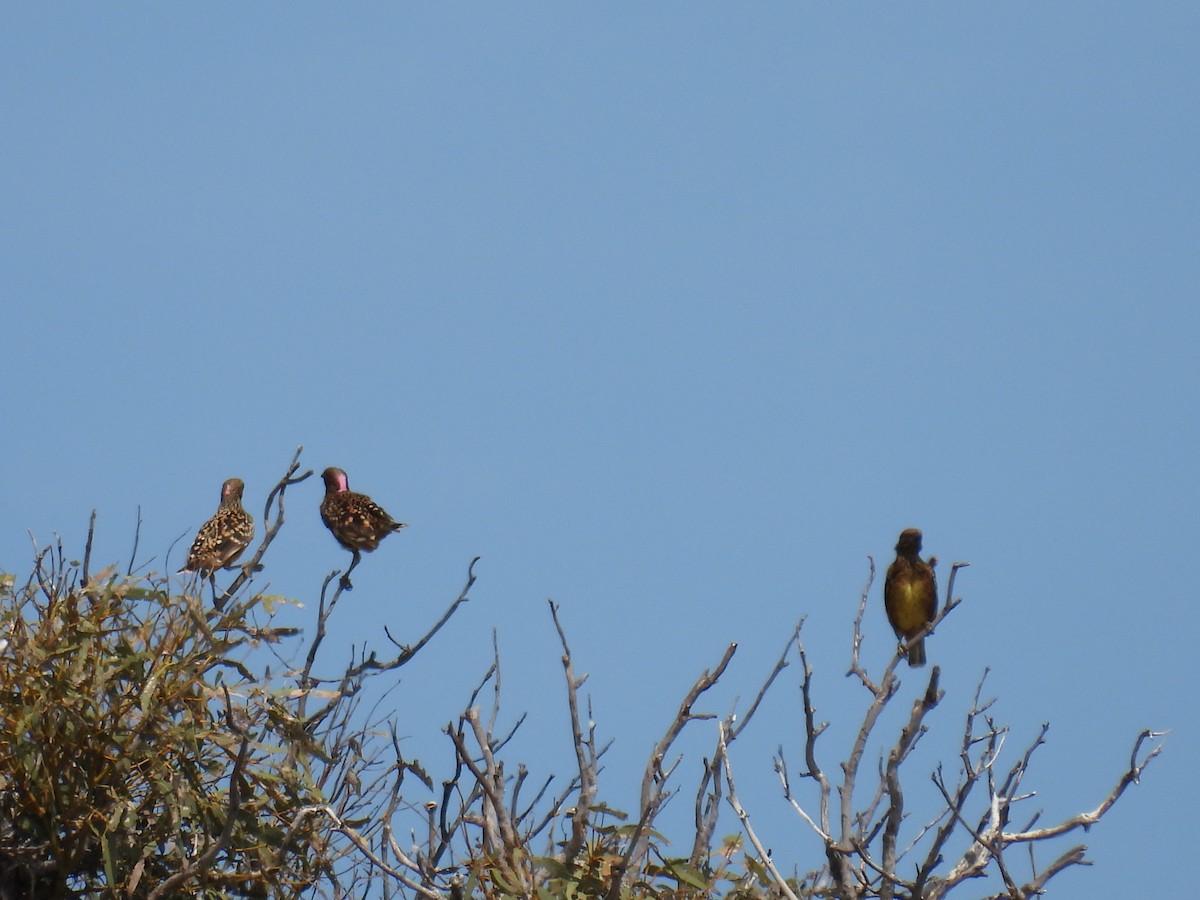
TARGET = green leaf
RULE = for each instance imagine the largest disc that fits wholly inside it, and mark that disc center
(688, 874)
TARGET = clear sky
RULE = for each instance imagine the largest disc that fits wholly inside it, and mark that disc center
(671, 312)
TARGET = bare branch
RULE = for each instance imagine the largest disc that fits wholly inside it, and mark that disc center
(364, 848)
(896, 755)
(1086, 820)
(585, 750)
(812, 731)
(372, 663)
(763, 855)
(655, 779)
(137, 535)
(856, 644)
(87, 552)
(955, 804)
(708, 792)
(272, 528)
(780, 665)
(950, 601)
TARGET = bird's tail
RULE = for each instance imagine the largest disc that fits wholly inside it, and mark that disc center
(916, 653)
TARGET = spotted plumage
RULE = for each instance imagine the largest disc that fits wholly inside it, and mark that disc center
(357, 521)
(910, 594)
(223, 538)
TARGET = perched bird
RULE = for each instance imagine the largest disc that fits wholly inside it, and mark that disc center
(357, 521)
(910, 594)
(223, 538)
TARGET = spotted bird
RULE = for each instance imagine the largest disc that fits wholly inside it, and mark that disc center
(355, 520)
(224, 537)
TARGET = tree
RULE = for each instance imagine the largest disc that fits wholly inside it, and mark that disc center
(864, 853)
(148, 748)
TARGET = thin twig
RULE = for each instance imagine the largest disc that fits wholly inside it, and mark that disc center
(87, 551)
(585, 762)
(764, 856)
(896, 755)
(708, 792)
(137, 534)
(655, 779)
(856, 643)
(1086, 820)
(272, 527)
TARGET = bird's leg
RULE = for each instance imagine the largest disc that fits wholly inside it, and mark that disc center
(345, 582)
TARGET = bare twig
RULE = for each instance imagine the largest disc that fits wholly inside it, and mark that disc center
(954, 567)
(272, 527)
(764, 856)
(87, 551)
(709, 791)
(812, 731)
(896, 755)
(372, 661)
(463, 597)
(499, 840)
(970, 777)
(655, 779)
(1086, 820)
(856, 644)
(364, 847)
(137, 534)
(585, 750)
(324, 611)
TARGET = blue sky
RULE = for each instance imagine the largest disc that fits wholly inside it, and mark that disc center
(672, 313)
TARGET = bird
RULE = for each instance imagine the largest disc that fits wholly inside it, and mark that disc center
(224, 537)
(910, 594)
(355, 520)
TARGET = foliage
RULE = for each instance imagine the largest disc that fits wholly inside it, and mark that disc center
(136, 746)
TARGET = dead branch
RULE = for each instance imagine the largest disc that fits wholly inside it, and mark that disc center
(655, 779)
(364, 847)
(584, 747)
(499, 836)
(272, 528)
(1086, 820)
(969, 778)
(708, 792)
(87, 551)
(909, 735)
(856, 644)
(764, 855)
(372, 663)
(137, 535)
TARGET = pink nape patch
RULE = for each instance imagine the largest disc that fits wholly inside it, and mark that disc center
(343, 482)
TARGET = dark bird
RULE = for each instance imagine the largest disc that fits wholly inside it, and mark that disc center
(223, 538)
(910, 594)
(357, 521)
